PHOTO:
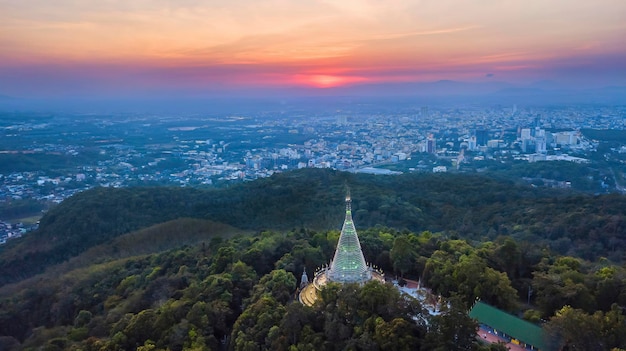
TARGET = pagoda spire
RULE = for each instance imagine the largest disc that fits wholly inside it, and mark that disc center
(348, 264)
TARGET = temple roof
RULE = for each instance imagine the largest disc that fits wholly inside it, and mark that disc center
(517, 328)
(348, 264)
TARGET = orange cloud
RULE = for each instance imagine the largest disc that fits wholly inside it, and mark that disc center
(321, 43)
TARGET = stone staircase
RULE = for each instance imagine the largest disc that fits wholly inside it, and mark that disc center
(308, 295)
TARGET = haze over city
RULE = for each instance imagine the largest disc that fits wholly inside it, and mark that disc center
(147, 49)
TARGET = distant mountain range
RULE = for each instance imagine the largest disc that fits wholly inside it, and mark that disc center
(438, 88)
(492, 92)
(242, 100)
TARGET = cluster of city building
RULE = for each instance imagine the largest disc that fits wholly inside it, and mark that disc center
(197, 151)
(13, 230)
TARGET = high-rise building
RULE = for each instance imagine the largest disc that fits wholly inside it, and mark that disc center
(526, 144)
(482, 135)
(471, 143)
(424, 111)
(431, 144)
(566, 138)
(540, 145)
(342, 120)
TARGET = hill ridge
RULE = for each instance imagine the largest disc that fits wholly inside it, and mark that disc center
(467, 206)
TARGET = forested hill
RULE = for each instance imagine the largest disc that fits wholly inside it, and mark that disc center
(464, 206)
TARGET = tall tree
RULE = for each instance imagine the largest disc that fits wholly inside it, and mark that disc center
(403, 255)
(453, 329)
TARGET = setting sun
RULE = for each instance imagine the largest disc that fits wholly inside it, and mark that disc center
(327, 80)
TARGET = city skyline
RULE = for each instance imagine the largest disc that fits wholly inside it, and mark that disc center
(146, 48)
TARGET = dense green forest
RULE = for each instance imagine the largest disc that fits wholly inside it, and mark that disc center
(15, 209)
(605, 134)
(460, 206)
(195, 269)
(238, 294)
(54, 163)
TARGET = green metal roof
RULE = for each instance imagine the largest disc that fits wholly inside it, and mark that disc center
(517, 328)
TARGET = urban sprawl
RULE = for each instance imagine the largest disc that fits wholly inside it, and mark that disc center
(134, 149)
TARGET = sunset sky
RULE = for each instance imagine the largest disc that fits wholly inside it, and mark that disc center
(64, 47)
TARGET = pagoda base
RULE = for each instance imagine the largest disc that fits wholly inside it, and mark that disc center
(309, 294)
